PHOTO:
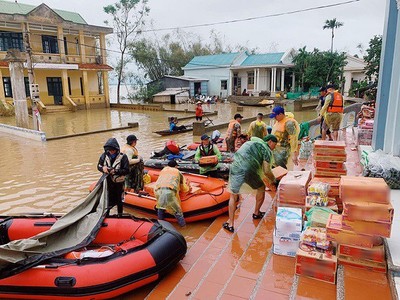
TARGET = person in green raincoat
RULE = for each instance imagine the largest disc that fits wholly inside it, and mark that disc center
(257, 128)
(251, 169)
(207, 148)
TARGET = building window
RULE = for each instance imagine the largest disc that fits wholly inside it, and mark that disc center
(50, 44)
(65, 45)
(250, 78)
(10, 40)
(69, 86)
(80, 81)
(224, 84)
(54, 86)
(8, 88)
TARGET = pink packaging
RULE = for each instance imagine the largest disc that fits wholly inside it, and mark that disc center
(293, 187)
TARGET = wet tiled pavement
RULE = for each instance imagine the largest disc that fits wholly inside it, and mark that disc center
(221, 265)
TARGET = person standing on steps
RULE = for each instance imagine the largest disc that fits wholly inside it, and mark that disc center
(332, 111)
(116, 164)
(234, 130)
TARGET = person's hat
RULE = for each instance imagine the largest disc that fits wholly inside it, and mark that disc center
(270, 137)
(238, 116)
(205, 137)
(131, 138)
(199, 102)
(172, 163)
(330, 86)
(322, 89)
(277, 110)
(260, 115)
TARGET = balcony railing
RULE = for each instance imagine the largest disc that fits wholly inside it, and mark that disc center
(73, 59)
(46, 58)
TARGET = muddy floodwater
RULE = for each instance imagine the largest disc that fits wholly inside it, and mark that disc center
(54, 176)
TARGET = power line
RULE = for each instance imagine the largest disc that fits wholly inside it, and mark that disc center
(253, 18)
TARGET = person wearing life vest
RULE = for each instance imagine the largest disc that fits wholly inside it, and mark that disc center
(171, 147)
(134, 179)
(207, 148)
(199, 111)
(332, 111)
(234, 130)
(116, 164)
(257, 128)
(250, 172)
(286, 129)
(168, 185)
(322, 94)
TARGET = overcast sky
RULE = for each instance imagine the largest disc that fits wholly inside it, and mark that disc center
(362, 20)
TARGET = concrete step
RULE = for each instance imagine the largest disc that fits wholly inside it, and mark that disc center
(57, 108)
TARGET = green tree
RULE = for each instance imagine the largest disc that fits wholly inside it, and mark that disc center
(332, 24)
(317, 68)
(128, 19)
(373, 57)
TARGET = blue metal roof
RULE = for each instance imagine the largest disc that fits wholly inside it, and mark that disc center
(224, 59)
(263, 59)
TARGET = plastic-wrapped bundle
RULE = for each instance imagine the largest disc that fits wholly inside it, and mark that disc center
(381, 165)
(318, 216)
(305, 149)
(250, 167)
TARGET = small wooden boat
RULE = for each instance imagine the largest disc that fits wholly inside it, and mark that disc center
(168, 132)
(209, 198)
(127, 253)
(262, 103)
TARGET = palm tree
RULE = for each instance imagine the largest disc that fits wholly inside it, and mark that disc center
(332, 24)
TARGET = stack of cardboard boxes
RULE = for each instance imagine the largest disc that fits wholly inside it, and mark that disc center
(367, 218)
(287, 231)
(364, 132)
(329, 158)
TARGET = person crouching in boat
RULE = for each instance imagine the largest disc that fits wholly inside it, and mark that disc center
(250, 172)
(171, 147)
(116, 164)
(173, 126)
(168, 185)
(134, 179)
(234, 130)
(210, 152)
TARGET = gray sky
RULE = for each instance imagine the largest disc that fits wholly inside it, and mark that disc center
(362, 20)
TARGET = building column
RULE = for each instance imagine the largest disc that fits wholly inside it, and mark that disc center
(103, 50)
(64, 80)
(230, 83)
(61, 48)
(273, 90)
(86, 89)
(382, 131)
(282, 79)
(347, 83)
(106, 89)
(258, 79)
(2, 95)
(82, 46)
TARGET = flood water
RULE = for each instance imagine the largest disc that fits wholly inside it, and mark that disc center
(54, 176)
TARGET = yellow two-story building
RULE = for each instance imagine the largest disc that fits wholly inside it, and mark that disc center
(68, 55)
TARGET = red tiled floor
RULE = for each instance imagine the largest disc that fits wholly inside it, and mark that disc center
(240, 287)
(266, 295)
(181, 293)
(208, 290)
(248, 269)
(309, 288)
(231, 297)
(222, 269)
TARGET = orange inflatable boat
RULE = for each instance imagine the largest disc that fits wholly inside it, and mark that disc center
(209, 198)
(127, 253)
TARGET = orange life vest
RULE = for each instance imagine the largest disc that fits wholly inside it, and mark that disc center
(232, 133)
(336, 103)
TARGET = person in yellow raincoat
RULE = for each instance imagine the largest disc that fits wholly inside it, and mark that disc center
(168, 185)
(257, 128)
(286, 129)
(249, 172)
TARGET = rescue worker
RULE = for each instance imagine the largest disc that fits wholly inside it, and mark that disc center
(332, 111)
(116, 164)
(168, 185)
(134, 179)
(257, 128)
(286, 129)
(241, 139)
(322, 94)
(234, 130)
(251, 167)
(171, 147)
(199, 111)
(207, 148)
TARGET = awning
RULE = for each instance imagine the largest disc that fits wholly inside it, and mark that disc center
(98, 67)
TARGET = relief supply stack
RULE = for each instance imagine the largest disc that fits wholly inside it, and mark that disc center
(292, 189)
(287, 231)
(329, 158)
(367, 218)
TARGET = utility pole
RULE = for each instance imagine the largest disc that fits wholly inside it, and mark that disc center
(32, 87)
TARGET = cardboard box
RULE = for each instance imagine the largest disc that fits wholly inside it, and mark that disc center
(356, 188)
(329, 165)
(368, 228)
(368, 211)
(289, 222)
(292, 188)
(329, 172)
(285, 246)
(329, 144)
(363, 264)
(335, 232)
(315, 273)
(325, 261)
(279, 172)
(374, 254)
(211, 160)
